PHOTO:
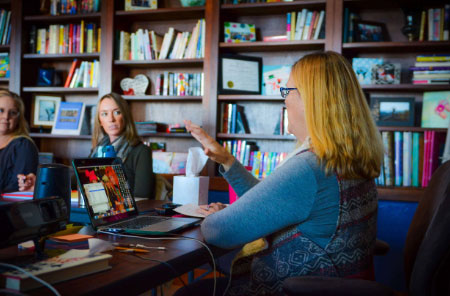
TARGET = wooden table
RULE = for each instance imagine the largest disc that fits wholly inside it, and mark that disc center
(131, 275)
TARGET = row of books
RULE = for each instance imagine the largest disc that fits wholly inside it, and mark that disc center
(349, 25)
(83, 74)
(4, 64)
(434, 24)
(179, 84)
(234, 120)
(305, 24)
(282, 125)
(431, 69)
(145, 127)
(5, 26)
(410, 157)
(58, 7)
(69, 38)
(147, 45)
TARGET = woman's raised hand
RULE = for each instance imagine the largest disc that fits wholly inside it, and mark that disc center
(212, 149)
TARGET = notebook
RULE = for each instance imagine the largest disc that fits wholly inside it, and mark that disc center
(110, 205)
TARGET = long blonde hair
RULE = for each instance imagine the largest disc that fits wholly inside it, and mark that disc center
(21, 129)
(343, 133)
(129, 131)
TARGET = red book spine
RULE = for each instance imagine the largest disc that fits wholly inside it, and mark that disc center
(71, 71)
(425, 159)
(71, 38)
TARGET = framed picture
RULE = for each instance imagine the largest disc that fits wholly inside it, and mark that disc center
(69, 118)
(140, 4)
(366, 31)
(436, 109)
(44, 110)
(239, 32)
(386, 74)
(240, 74)
(392, 111)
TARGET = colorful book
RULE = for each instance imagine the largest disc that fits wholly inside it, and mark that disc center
(407, 158)
(415, 181)
(389, 169)
(398, 159)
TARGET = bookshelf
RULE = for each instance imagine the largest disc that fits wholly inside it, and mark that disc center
(269, 18)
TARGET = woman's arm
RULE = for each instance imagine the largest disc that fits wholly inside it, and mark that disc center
(282, 199)
(26, 160)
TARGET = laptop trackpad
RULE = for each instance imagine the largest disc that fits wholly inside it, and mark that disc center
(165, 226)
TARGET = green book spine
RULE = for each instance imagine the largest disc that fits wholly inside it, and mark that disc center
(415, 160)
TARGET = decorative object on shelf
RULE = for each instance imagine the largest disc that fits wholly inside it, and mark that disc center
(44, 110)
(386, 74)
(411, 27)
(366, 31)
(274, 77)
(392, 111)
(135, 86)
(188, 3)
(240, 74)
(69, 118)
(436, 109)
(46, 76)
(140, 4)
(239, 32)
(363, 68)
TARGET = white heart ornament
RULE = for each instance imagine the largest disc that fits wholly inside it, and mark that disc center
(126, 84)
(140, 84)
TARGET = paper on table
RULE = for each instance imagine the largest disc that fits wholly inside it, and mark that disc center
(189, 210)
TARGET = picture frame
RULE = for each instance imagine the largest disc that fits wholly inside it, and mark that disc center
(44, 108)
(239, 32)
(140, 4)
(368, 31)
(240, 74)
(388, 73)
(69, 118)
(393, 111)
(435, 109)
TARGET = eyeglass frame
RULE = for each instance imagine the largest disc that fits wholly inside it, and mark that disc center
(10, 113)
(284, 91)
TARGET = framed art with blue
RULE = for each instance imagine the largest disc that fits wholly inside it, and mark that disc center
(69, 118)
(44, 108)
(395, 111)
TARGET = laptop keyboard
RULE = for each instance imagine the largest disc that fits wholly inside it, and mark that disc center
(139, 222)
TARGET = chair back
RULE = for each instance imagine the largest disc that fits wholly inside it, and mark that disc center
(427, 243)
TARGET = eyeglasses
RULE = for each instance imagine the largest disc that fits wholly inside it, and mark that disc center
(11, 113)
(285, 91)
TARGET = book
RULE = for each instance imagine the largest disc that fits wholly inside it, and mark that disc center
(70, 265)
(389, 172)
(398, 158)
(407, 158)
(74, 66)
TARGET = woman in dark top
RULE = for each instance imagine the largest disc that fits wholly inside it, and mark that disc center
(114, 125)
(18, 153)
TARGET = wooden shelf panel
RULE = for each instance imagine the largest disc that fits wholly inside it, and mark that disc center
(59, 89)
(388, 47)
(256, 98)
(270, 8)
(4, 79)
(405, 87)
(196, 12)
(4, 47)
(87, 17)
(160, 63)
(255, 137)
(410, 194)
(166, 135)
(61, 56)
(410, 129)
(67, 137)
(259, 46)
(164, 98)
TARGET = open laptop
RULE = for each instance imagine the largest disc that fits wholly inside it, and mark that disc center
(110, 205)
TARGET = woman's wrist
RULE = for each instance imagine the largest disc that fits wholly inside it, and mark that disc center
(228, 162)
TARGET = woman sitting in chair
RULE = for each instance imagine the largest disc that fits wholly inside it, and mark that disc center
(316, 213)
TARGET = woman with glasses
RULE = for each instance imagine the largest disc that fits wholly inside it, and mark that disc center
(18, 153)
(316, 213)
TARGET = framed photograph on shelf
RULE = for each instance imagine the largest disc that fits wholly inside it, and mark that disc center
(386, 74)
(240, 74)
(366, 31)
(44, 110)
(392, 111)
(239, 32)
(69, 118)
(436, 109)
(140, 4)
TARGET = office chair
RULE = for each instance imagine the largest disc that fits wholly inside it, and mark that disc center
(426, 253)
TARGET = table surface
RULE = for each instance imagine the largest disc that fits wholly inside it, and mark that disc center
(132, 275)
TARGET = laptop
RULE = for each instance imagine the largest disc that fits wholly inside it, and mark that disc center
(110, 205)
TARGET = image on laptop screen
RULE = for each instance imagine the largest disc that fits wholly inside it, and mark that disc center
(107, 191)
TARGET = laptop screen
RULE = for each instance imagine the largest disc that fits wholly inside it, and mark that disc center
(103, 183)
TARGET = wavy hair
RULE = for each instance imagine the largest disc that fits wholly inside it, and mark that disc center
(343, 133)
(129, 131)
(21, 129)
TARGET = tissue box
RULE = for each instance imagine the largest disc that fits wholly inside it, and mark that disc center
(190, 190)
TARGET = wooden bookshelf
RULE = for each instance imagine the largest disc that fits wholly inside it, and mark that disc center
(57, 89)
(166, 135)
(408, 194)
(410, 129)
(162, 14)
(61, 56)
(260, 46)
(160, 63)
(405, 87)
(163, 98)
(255, 137)
(257, 98)
(270, 8)
(68, 18)
(401, 47)
(63, 137)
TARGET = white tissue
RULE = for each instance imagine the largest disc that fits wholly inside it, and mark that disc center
(196, 160)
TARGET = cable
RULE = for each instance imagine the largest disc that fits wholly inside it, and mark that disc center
(32, 276)
(174, 237)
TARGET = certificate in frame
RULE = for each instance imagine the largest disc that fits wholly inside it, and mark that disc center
(240, 74)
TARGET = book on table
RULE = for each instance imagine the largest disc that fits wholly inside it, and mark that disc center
(70, 265)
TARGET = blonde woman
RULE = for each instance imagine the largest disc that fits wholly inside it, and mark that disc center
(316, 213)
(18, 153)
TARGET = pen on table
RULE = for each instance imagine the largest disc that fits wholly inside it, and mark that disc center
(138, 246)
(130, 250)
